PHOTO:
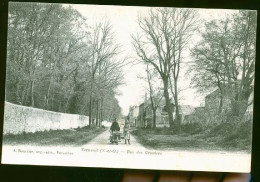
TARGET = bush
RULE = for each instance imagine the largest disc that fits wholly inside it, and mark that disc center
(239, 136)
(192, 128)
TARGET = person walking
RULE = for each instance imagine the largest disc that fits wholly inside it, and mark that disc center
(127, 132)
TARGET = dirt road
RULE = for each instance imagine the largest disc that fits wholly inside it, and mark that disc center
(103, 139)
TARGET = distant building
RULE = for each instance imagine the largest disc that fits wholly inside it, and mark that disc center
(145, 115)
(141, 116)
(144, 118)
(184, 111)
(212, 102)
(161, 116)
(133, 115)
(198, 115)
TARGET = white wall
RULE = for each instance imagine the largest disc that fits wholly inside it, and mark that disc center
(18, 119)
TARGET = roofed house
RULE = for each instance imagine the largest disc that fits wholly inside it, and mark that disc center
(141, 115)
(184, 111)
(145, 115)
(133, 115)
(199, 114)
(212, 101)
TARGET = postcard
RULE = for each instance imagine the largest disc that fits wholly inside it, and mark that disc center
(129, 87)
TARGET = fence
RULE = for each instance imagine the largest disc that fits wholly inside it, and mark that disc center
(19, 119)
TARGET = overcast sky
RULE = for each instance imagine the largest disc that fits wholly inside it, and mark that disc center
(124, 21)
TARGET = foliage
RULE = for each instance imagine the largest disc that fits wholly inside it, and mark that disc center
(224, 59)
(165, 32)
(52, 52)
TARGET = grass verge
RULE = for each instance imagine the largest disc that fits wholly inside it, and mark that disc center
(166, 139)
(70, 137)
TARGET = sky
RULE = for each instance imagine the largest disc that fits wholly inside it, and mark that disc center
(124, 22)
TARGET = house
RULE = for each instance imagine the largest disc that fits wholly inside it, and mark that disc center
(198, 115)
(141, 115)
(212, 102)
(133, 115)
(184, 111)
(145, 114)
(161, 116)
(188, 113)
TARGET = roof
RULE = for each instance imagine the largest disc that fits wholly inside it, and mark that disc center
(187, 109)
(212, 93)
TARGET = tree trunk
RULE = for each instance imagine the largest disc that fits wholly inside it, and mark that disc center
(168, 102)
(48, 93)
(97, 113)
(25, 96)
(32, 92)
(238, 108)
(24, 93)
(154, 118)
(67, 101)
(18, 98)
(90, 109)
(220, 104)
(90, 100)
(176, 102)
(101, 111)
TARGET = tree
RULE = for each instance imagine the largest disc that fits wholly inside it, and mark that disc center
(111, 109)
(225, 59)
(65, 46)
(109, 77)
(154, 92)
(208, 69)
(42, 40)
(102, 50)
(57, 62)
(25, 45)
(165, 33)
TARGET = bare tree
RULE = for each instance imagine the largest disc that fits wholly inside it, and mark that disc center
(225, 59)
(165, 33)
(155, 96)
(103, 48)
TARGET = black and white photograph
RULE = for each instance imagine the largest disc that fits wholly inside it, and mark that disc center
(129, 87)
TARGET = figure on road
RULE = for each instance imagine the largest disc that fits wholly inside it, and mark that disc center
(115, 126)
(114, 132)
(127, 132)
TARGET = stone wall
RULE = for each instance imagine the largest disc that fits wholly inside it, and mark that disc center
(19, 119)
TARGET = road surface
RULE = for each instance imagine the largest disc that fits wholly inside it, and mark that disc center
(103, 139)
